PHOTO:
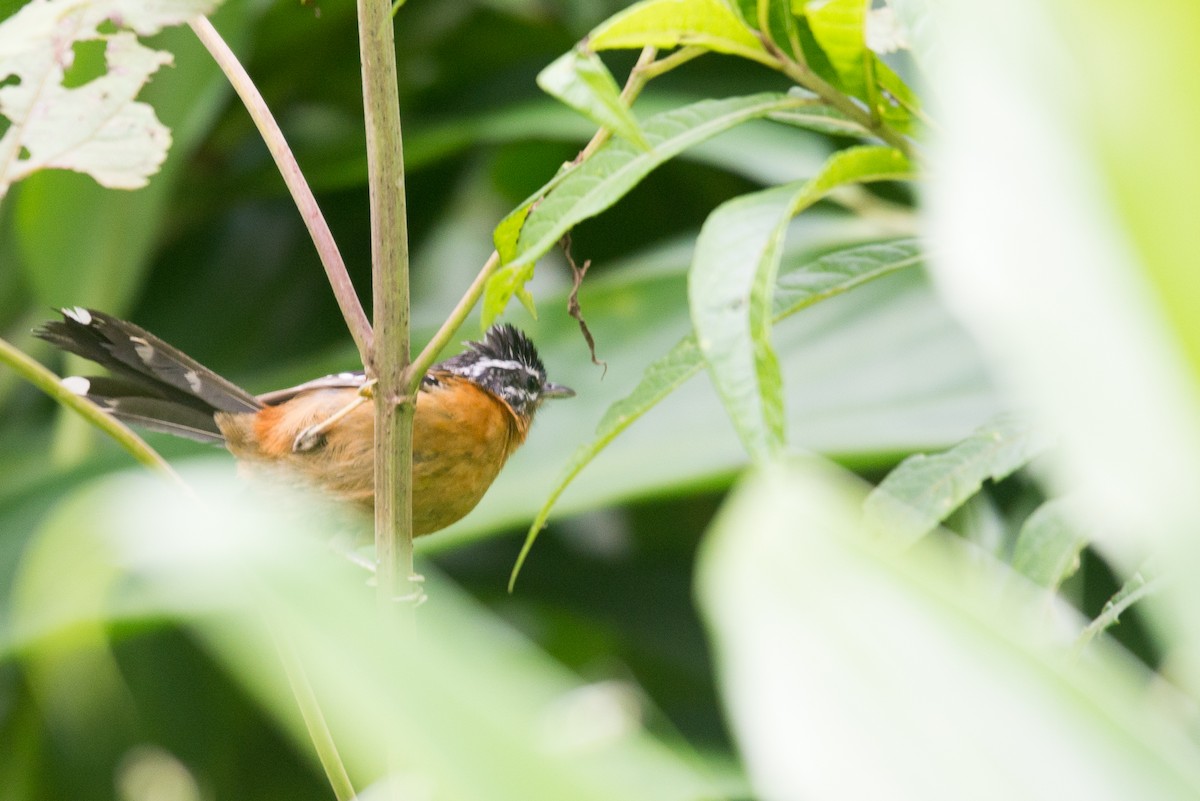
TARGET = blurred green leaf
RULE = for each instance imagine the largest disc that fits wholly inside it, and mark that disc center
(731, 288)
(243, 579)
(833, 648)
(673, 23)
(1113, 373)
(1048, 546)
(581, 80)
(925, 489)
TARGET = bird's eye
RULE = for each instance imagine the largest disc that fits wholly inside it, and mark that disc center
(533, 383)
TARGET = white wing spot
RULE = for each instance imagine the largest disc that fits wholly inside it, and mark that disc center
(193, 380)
(145, 350)
(79, 315)
(76, 385)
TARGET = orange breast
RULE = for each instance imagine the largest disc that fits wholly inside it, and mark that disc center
(462, 435)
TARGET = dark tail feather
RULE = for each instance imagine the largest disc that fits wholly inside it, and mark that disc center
(155, 385)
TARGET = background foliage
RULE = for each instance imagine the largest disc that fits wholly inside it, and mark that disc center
(765, 651)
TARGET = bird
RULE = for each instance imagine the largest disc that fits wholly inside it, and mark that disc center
(473, 411)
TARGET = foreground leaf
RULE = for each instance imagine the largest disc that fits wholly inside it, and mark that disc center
(246, 583)
(835, 654)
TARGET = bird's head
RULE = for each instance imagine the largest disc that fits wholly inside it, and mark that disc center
(507, 364)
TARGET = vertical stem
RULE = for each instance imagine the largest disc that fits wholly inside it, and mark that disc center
(389, 253)
(389, 260)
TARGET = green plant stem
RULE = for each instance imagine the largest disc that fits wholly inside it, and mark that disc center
(52, 385)
(803, 75)
(318, 229)
(314, 722)
(389, 256)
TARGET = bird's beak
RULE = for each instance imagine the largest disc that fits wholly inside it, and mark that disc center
(551, 390)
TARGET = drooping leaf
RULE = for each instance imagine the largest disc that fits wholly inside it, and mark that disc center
(831, 647)
(581, 80)
(800, 286)
(589, 188)
(1049, 543)
(732, 283)
(924, 489)
(97, 128)
(673, 23)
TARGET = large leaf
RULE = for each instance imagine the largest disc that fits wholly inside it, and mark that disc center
(602, 180)
(801, 284)
(732, 284)
(249, 586)
(96, 128)
(710, 24)
(1102, 199)
(849, 671)
(925, 489)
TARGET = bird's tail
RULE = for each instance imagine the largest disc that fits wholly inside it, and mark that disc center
(153, 385)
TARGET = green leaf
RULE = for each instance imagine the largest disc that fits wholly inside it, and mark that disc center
(228, 576)
(581, 80)
(923, 490)
(732, 283)
(800, 286)
(710, 24)
(839, 27)
(830, 646)
(1048, 546)
(589, 188)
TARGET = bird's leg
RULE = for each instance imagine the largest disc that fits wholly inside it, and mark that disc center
(310, 437)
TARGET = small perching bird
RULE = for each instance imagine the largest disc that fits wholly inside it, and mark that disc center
(472, 411)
